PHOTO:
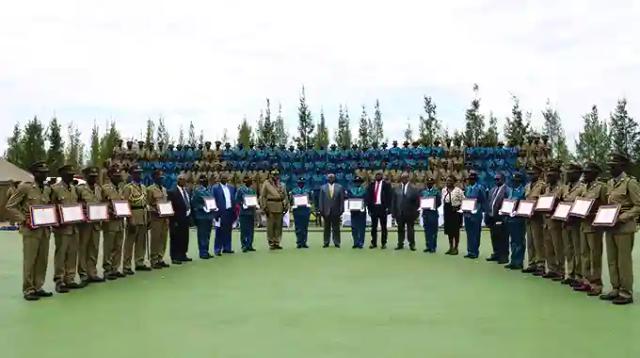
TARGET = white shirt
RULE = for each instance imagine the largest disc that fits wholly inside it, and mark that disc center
(378, 189)
(404, 189)
(227, 196)
(185, 196)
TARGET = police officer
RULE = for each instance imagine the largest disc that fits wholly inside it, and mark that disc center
(571, 229)
(624, 190)
(358, 217)
(136, 237)
(203, 216)
(89, 243)
(473, 220)
(35, 240)
(113, 229)
(301, 214)
(553, 248)
(516, 226)
(274, 201)
(534, 224)
(430, 216)
(159, 225)
(247, 214)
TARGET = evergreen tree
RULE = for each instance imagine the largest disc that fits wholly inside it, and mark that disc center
(491, 135)
(260, 129)
(14, 152)
(279, 132)
(364, 139)
(181, 136)
(593, 142)
(201, 138)
(553, 129)
(244, 133)
(151, 128)
(342, 135)
(429, 123)
(192, 135)
(75, 148)
(32, 143)
(516, 128)
(108, 141)
(162, 134)
(55, 152)
(474, 120)
(408, 132)
(94, 154)
(377, 133)
(266, 128)
(625, 134)
(322, 133)
(305, 122)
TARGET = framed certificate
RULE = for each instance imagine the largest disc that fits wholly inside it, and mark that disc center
(121, 208)
(210, 204)
(428, 203)
(165, 208)
(356, 204)
(545, 203)
(562, 211)
(581, 207)
(607, 215)
(468, 205)
(508, 206)
(43, 215)
(250, 201)
(98, 212)
(71, 213)
(525, 208)
(300, 201)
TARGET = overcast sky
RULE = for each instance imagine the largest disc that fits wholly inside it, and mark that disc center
(214, 62)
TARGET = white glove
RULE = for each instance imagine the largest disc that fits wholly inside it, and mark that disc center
(474, 212)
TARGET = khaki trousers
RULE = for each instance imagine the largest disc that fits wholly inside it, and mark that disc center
(571, 243)
(159, 235)
(88, 248)
(274, 228)
(592, 259)
(66, 257)
(619, 248)
(112, 251)
(535, 242)
(136, 238)
(553, 246)
(35, 252)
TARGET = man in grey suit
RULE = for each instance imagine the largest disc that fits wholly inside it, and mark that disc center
(495, 221)
(404, 208)
(331, 207)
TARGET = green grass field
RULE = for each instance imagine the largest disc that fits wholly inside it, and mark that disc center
(315, 303)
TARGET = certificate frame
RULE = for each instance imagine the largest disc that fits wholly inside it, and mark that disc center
(508, 206)
(210, 203)
(469, 205)
(165, 208)
(250, 201)
(359, 204)
(577, 209)
(562, 211)
(302, 197)
(428, 203)
(613, 210)
(68, 208)
(545, 203)
(121, 208)
(105, 209)
(525, 208)
(35, 208)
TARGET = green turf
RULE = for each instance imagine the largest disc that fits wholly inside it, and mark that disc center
(315, 303)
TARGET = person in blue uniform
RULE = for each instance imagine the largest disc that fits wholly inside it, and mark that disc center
(203, 216)
(301, 214)
(473, 219)
(430, 217)
(247, 214)
(224, 194)
(358, 217)
(516, 225)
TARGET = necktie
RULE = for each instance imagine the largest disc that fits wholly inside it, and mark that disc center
(331, 191)
(377, 191)
(185, 197)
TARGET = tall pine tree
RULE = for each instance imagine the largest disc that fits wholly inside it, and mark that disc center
(322, 133)
(625, 135)
(94, 150)
(305, 122)
(377, 132)
(279, 132)
(14, 150)
(75, 148)
(553, 129)
(193, 141)
(55, 152)
(265, 130)
(245, 133)
(593, 141)
(342, 135)
(181, 136)
(474, 121)
(32, 143)
(429, 124)
(162, 135)
(491, 135)
(408, 132)
(150, 131)
(108, 141)
(516, 128)
(364, 139)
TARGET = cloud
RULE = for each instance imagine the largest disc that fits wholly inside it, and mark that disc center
(214, 62)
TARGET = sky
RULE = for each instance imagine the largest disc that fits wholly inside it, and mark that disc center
(216, 62)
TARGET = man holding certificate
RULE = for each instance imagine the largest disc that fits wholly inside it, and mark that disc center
(158, 220)
(535, 224)
(89, 243)
(300, 197)
(180, 222)
(473, 217)
(356, 197)
(274, 201)
(495, 221)
(35, 238)
(203, 215)
(331, 207)
(404, 208)
(246, 200)
(379, 202)
(571, 232)
(430, 201)
(136, 237)
(66, 235)
(113, 229)
(516, 225)
(553, 248)
(624, 190)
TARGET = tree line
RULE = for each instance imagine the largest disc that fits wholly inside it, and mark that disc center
(599, 136)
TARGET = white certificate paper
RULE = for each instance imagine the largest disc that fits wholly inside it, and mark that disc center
(165, 208)
(525, 208)
(508, 207)
(562, 211)
(210, 204)
(43, 215)
(468, 205)
(98, 212)
(545, 203)
(121, 208)
(428, 203)
(356, 205)
(300, 201)
(250, 201)
(607, 215)
(581, 207)
(71, 213)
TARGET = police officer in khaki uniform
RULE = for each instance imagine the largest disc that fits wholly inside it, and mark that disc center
(553, 248)
(535, 224)
(66, 235)
(274, 201)
(571, 228)
(113, 230)
(624, 190)
(35, 241)
(157, 193)
(89, 243)
(136, 236)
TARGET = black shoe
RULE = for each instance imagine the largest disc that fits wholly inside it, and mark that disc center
(157, 266)
(471, 257)
(609, 296)
(112, 276)
(383, 247)
(127, 272)
(621, 300)
(143, 268)
(245, 249)
(568, 281)
(96, 279)
(399, 248)
(305, 246)
(251, 249)
(43, 293)
(186, 259)
(449, 251)
(325, 246)
(502, 262)
(337, 246)
(373, 246)
(426, 250)
(412, 248)
(278, 247)
(176, 262)
(32, 296)
(454, 252)
(164, 264)
(61, 288)
(228, 251)
(492, 258)
(530, 269)
(206, 257)
(75, 286)
(354, 247)
(218, 253)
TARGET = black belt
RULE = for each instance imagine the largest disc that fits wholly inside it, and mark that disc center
(138, 208)
(274, 199)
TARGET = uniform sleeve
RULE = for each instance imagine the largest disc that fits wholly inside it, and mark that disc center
(285, 200)
(633, 190)
(126, 192)
(13, 205)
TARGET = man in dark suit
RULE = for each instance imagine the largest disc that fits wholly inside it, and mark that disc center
(404, 208)
(224, 194)
(179, 222)
(331, 207)
(379, 202)
(495, 221)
